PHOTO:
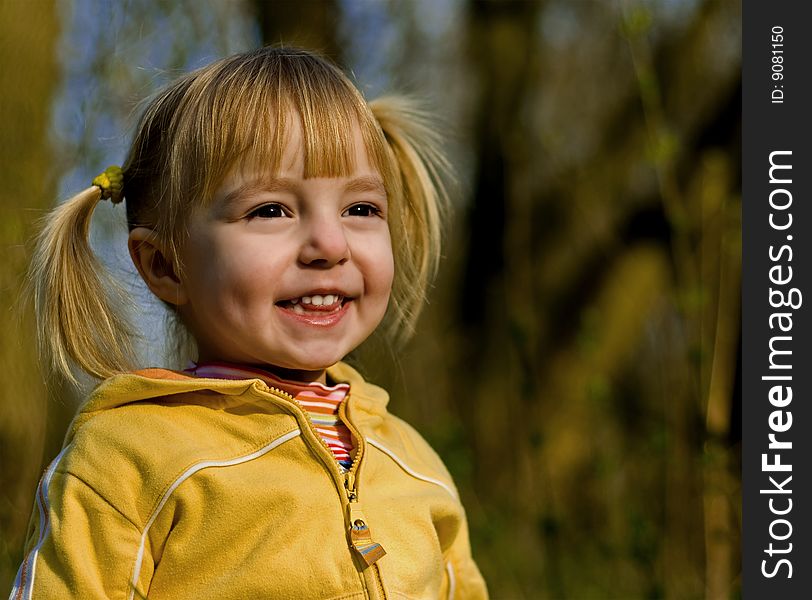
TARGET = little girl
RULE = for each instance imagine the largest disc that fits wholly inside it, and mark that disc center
(283, 219)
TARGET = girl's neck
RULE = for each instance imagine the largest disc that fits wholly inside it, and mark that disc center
(296, 375)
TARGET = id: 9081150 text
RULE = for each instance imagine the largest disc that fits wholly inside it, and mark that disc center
(777, 65)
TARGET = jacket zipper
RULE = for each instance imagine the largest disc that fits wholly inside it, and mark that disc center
(377, 582)
(360, 538)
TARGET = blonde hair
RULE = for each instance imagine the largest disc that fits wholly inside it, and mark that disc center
(190, 136)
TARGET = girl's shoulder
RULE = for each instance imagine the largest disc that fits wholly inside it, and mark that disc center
(402, 444)
(138, 431)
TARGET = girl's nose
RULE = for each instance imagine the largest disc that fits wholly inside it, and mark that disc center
(325, 243)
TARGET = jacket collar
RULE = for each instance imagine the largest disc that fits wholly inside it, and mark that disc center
(366, 402)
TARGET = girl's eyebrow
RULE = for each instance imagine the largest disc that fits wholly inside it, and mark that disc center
(260, 184)
(366, 184)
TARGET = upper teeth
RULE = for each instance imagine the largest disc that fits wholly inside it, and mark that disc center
(317, 300)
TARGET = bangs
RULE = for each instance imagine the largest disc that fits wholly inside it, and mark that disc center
(240, 113)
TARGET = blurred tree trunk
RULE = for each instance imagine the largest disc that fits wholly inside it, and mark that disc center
(501, 42)
(495, 300)
(311, 24)
(28, 77)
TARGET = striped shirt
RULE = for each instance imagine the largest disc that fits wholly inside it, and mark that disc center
(320, 402)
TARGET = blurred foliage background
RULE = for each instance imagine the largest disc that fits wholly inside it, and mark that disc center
(578, 364)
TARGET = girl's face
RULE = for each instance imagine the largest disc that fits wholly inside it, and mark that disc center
(289, 272)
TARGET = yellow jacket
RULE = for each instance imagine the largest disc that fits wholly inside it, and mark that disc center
(171, 486)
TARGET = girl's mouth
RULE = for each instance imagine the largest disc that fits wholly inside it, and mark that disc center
(315, 304)
(319, 310)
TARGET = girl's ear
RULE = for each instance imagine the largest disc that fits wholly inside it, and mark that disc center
(156, 267)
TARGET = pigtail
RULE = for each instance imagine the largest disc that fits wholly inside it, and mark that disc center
(77, 325)
(417, 216)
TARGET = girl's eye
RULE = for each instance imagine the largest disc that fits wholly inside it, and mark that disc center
(267, 211)
(362, 210)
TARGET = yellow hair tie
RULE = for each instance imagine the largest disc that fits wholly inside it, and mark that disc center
(111, 182)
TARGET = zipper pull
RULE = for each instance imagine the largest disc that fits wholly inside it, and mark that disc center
(360, 537)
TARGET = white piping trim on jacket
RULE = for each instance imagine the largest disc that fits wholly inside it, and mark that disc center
(183, 477)
(452, 580)
(44, 518)
(411, 471)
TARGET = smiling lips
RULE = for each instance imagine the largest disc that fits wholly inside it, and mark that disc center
(317, 309)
